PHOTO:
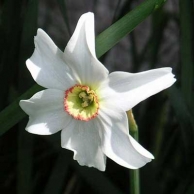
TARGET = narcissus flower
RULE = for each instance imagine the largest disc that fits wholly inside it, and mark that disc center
(86, 102)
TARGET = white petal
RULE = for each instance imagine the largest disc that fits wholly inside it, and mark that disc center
(80, 52)
(46, 112)
(84, 140)
(125, 90)
(118, 144)
(47, 65)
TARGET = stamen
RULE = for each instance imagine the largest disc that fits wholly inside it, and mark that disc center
(82, 94)
(90, 97)
(85, 104)
(81, 103)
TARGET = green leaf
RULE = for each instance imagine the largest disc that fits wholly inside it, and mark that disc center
(105, 41)
(112, 35)
(13, 113)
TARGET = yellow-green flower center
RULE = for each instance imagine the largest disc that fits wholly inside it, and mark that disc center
(81, 103)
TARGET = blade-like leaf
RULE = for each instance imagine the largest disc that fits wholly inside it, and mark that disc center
(112, 35)
(13, 113)
(105, 41)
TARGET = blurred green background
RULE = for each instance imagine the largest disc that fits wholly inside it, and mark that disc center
(32, 164)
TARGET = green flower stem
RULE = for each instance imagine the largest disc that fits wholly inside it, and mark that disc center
(132, 124)
(134, 174)
(134, 182)
(105, 41)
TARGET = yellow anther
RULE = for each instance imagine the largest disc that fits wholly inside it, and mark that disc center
(85, 99)
(90, 97)
(85, 104)
(82, 94)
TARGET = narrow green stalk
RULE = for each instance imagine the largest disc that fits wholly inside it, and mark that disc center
(134, 174)
(134, 182)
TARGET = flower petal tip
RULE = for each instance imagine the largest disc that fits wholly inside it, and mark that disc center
(172, 79)
(151, 157)
(22, 104)
(81, 163)
(38, 128)
(40, 32)
(88, 14)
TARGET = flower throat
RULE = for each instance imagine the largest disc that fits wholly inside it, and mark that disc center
(81, 103)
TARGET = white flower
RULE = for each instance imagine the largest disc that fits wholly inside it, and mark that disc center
(86, 102)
